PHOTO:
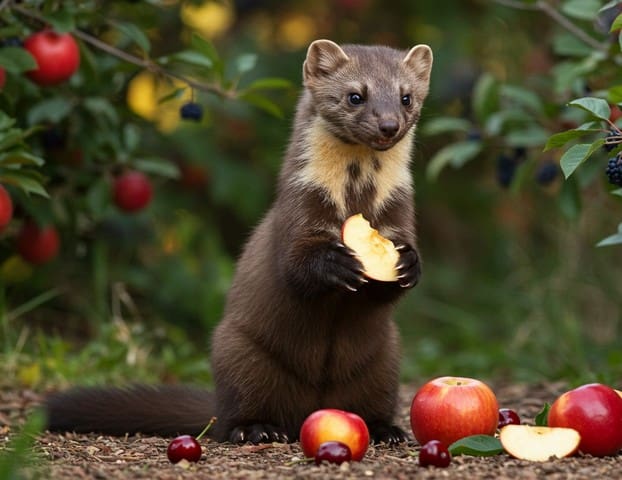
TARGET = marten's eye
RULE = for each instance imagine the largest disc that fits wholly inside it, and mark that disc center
(355, 99)
(406, 100)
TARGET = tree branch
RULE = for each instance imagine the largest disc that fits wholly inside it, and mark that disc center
(145, 63)
(559, 18)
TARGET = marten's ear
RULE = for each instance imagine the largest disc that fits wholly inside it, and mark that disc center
(419, 61)
(323, 57)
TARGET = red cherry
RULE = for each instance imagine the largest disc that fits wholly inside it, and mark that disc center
(37, 245)
(184, 447)
(507, 416)
(434, 453)
(132, 191)
(57, 56)
(6, 208)
(333, 452)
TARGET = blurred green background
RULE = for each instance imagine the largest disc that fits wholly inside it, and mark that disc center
(513, 286)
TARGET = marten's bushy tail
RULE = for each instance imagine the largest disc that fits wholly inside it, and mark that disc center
(161, 410)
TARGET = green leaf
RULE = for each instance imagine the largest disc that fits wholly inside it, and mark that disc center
(20, 157)
(134, 33)
(23, 180)
(262, 103)
(617, 192)
(566, 44)
(157, 166)
(596, 106)
(177, 93)
(617, 24)
(269, 83)
(542, 418)
(52, 110)
(207, 48)
(436, 126)
(521, 96)
(61, 20)
(10, 138)
(16, 60)
(455, 154)
(615, 239)
(477, 445)
(245, 63)
(497, 122)
(532, 136)
(569, 199)
(485, 97)
(192, 57)
(101, 108)
(577, 154)
(6, 121)
(560, 139)
(581, 9)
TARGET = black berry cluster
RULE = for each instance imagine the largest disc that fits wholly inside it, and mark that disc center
(507, 165)
(547, 172)
(191, 111)
(614, 170)
(612, 140)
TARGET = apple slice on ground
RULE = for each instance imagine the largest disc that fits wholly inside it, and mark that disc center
(539, 444)
(377, 253)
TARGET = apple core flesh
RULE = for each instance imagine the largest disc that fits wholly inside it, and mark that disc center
(539, 444)
(377, 253)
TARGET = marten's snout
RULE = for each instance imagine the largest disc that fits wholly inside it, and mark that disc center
(388, 127)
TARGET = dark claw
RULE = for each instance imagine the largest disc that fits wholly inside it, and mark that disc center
(409, 267)
(258, 433)
(389, 434)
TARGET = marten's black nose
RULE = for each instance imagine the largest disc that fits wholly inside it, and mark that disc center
(388, 127)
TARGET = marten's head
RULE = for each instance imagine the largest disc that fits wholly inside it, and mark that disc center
(368, 95)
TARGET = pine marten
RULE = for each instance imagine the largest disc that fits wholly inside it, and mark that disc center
(303, 328)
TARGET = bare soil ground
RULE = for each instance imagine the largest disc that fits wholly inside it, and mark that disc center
(101, 457)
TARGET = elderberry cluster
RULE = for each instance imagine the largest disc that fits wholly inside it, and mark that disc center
(614, 170)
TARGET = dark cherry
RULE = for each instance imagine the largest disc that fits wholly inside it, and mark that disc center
(507, 416)
(333, 452)
(184, 447)
(434, 453)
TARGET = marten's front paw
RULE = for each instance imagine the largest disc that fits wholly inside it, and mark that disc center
(258, 433)
(408, 267)
(342, 268)
(386, 433)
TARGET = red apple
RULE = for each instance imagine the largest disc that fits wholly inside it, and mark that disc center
(539, 444)
(36, 244)
(132, 191)
(2, 78)
(595, 411)
(332, 425)
(377, 253)
(450, 408)
(57, 56)
(6, 208)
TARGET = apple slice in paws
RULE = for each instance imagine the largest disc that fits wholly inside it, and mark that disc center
(377, 253)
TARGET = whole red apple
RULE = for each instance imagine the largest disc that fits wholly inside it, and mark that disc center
(57, 56)
(6, 208)
(132, 191)
(329, 425)
(595, 411)
(36, 244)
(450, 408)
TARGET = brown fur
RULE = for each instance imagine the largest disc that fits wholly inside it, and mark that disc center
(302, 328)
